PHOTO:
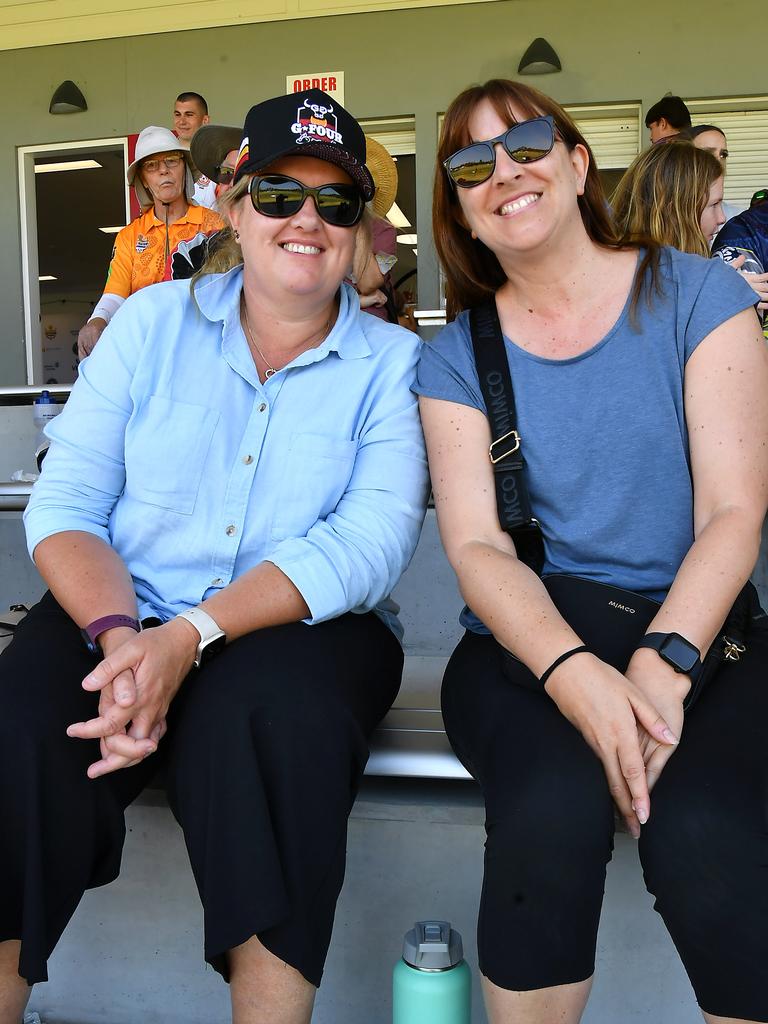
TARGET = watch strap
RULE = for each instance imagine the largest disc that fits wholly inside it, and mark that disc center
(657, 642)
(98, 626)
(208, 630)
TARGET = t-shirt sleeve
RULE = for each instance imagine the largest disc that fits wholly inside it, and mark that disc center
(719, 294)
(121, 265)
(447, 369)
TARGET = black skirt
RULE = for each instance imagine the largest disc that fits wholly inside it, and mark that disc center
(264, 752)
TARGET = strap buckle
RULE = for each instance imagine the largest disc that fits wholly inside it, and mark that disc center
(732, 650)
(513, 434)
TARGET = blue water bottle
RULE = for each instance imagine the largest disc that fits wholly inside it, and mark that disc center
(432, 984)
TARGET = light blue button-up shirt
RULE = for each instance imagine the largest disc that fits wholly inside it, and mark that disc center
(171, 450)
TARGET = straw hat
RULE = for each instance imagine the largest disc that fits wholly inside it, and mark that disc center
(210, 145)
(384, 173)
(154, 140)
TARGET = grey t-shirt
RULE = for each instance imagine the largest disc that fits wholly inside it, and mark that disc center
(604, 433)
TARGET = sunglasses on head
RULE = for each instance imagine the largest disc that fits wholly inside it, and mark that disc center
(525, 143)
(277, 195)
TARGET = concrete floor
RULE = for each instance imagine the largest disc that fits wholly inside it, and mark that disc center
(132, 954)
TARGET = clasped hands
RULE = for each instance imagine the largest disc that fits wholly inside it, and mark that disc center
(138, 678)
(632, 721)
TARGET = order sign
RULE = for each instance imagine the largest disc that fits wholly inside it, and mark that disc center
(331, 82)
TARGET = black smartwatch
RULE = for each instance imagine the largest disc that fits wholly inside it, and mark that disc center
(676, 651)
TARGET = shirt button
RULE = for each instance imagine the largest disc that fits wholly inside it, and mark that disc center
(262, 407)
(231, 530)
(247, 459)
(217, 582)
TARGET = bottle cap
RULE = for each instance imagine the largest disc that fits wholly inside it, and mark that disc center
(44, 399)
(432, 946)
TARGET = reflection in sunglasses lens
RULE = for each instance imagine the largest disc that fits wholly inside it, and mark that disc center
(525, 143)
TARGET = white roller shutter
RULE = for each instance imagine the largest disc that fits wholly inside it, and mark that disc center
(747, 134)
(612, 131)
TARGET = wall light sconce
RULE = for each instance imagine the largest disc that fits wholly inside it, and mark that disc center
(67, 99)
(539, 59)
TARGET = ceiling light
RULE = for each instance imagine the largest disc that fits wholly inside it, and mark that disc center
(112, 231)
(539, 59)
(66, 165)
(67, 99)
(397, 218)
(47, 277)
(407, 239)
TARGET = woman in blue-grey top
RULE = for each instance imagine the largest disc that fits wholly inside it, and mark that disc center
(640, 378)
(241, 468)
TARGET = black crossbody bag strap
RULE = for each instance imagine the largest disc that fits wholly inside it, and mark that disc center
(505, 451)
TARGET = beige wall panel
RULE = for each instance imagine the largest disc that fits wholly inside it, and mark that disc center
(45, 22)
(405, 62)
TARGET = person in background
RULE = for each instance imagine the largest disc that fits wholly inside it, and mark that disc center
(190, 113)
(712, 138)
(232, 492)
(640, 381)
(673, 195)
(214, 150)
(374, 283)
(743, 242)
(666, 118)
(166, 242)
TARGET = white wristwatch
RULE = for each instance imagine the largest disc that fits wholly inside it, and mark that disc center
(212, 637)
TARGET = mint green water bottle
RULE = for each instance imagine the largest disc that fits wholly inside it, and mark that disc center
(432, 984)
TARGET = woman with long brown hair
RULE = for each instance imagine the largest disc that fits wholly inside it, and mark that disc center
(638, 438)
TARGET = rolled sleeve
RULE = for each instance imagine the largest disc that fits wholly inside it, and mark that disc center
(352, 559)
(84, 471)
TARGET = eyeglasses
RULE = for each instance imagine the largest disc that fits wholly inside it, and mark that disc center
(225, 175)
(525, 143)
(276, 195)
(169, 162)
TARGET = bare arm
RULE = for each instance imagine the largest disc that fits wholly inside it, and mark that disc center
(515, 606)
(726, 383)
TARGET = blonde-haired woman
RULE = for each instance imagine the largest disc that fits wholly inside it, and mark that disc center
(672, 194)
(242, 470)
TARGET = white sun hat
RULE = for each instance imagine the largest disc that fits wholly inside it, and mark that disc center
(153, 140)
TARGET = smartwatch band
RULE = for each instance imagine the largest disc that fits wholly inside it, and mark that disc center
(94, 629)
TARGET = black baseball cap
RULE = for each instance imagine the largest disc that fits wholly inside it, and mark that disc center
(307, 123)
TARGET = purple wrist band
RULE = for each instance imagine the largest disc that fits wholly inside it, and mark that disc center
(98, 626)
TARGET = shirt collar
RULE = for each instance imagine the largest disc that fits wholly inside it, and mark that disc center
(218, 298)
(194, 215)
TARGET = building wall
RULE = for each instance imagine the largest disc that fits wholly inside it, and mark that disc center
(396, 63)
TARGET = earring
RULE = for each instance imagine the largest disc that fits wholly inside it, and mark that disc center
(237, 235)
(474, 236)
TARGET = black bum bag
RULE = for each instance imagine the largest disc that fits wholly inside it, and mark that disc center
(610, 621)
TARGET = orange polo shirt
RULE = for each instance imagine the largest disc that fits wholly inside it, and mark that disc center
(138, 258)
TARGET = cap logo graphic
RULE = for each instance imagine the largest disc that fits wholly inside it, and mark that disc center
(242, 156)
(316, 123)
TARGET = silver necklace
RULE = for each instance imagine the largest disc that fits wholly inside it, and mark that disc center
(272, 370)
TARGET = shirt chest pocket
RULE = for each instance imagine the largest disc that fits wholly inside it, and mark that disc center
(166, 447)
(315, 473)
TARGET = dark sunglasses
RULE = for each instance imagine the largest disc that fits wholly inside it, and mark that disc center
(525, 143)
(276, 195)
(225, 175)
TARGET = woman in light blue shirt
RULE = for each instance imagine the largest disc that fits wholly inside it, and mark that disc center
(240, 470)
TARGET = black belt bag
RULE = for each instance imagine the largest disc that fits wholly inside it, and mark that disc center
(610, 621)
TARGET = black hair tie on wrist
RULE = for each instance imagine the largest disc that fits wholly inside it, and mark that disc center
(559, 661)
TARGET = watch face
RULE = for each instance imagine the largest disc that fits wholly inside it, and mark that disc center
(680, 654)
(212, 647)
